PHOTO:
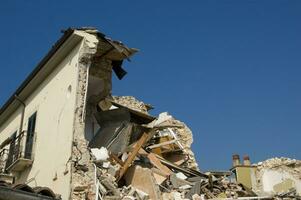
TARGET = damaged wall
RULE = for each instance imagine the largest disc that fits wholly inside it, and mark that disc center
(278, 175)
(94, 85)
(82, 172)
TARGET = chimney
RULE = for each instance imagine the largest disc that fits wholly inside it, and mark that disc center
(235, 160)
(247, 161)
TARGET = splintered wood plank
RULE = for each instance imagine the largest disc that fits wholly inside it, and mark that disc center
(133, 155)
(116, 159)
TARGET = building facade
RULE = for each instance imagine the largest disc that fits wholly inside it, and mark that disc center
(46, 124)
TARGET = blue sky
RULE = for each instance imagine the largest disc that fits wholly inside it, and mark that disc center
(230, 69)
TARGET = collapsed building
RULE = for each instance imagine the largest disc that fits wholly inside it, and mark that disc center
(64, 135)
(275, 177)
(278, 175)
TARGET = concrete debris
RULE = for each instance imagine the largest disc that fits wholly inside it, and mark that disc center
(277, 163)
(178, 132)
(180, 175)
(132, 103)
(156, 161)
(100, 154)
(142, 178)
(278, 176)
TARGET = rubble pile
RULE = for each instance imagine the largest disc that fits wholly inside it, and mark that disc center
(137, 156)
(292, 166)
(207, 187)
(184, 135)
(280, 177)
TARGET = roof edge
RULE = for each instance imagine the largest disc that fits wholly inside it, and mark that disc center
(53, 50)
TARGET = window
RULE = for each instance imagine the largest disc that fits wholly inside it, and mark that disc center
(30, 136)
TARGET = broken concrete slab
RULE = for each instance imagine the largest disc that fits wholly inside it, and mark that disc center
(142, 179)
(132, 102)
(178, 182)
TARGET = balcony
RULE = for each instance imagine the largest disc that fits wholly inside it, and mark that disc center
(4, 175)
(18, 157)
(3, 159)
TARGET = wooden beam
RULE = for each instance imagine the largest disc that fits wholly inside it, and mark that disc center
(181, 169)
(161, 144)
(116, 159)
(144, 138)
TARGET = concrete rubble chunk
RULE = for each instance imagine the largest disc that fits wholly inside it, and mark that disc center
(278, 175)
(180, 133)
(100, 154)
(180, 175)
(132, 103)
(142, 179)
(177, 182)
(109, 185)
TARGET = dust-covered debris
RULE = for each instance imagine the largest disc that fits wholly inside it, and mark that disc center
(289, 165)
(180, 132)
(157, 162)
(278, 176)
(132, 103)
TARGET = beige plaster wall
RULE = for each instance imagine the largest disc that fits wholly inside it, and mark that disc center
(54, 101)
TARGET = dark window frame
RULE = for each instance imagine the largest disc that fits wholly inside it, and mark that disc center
(30, 136)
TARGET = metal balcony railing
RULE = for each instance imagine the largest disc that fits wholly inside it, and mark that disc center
(3, 159)
(16, 149)
(17, 154)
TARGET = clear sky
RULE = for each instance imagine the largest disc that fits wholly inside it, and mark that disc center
(230, 69)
